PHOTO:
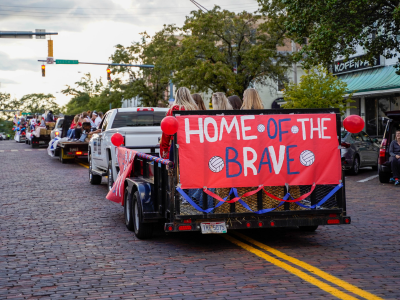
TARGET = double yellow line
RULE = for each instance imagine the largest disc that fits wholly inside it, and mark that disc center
(315, 271)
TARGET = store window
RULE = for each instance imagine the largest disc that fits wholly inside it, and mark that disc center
(383, 106)
(370, 116)
(355, 107)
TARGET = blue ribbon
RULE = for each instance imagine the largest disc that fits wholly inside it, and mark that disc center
(330, 194)
(188, 199)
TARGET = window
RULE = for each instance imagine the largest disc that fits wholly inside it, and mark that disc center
(105, 122)
(138, 119)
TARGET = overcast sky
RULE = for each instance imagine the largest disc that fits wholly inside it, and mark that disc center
(87, 30)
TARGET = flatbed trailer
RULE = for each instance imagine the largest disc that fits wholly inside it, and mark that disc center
(152, 196)
(36, 142)
(69, 150)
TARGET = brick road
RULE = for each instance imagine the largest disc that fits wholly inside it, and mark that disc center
(60, 238)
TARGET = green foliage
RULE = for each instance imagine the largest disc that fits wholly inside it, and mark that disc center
(149, 84)
(336, 27)
(215, 42)
(38, 103)
(317, 89)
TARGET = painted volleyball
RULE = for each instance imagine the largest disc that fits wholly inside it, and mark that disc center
(307, 158)
(216, 164)
(261, 128)
(294, 129)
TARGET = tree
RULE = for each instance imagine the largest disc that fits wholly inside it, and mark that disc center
(149, 84)
(38, 103)
(337, 27)
(317, 89)
(86, 89)
(217, 42)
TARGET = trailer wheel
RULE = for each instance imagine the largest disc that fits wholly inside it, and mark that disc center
(62, 160)
(110, 180)
(142, 230)
(93, 179)
(128, 211)
(308, 228)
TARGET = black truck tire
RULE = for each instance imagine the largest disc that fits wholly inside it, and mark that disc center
(93, 178)
(308, 228)
(383, 177)
(142, 230)
(128, 210)
(110, 181)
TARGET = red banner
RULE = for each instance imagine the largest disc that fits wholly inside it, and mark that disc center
(252, 150)
(125, 161)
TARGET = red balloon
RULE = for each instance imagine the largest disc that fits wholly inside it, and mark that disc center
(353, 124)
(117, 139)
(169, 125)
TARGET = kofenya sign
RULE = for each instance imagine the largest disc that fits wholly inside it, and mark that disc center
(354, 64)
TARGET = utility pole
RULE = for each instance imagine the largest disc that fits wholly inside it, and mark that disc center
(294, 64)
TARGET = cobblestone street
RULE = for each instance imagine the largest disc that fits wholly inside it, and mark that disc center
(60, 238)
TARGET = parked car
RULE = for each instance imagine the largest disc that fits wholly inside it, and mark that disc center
(393, 124)
(57, 131)
(358, 151)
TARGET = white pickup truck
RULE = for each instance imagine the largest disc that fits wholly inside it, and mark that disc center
(139, 126)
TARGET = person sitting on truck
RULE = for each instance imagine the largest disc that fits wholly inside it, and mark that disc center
(235, 102)
(75, 123)
(220, 102)
(394, 151)
(199, 101)
(50, 117)
(183, 101)
(251, 100)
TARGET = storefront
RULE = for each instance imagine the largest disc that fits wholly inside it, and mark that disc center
(376, 90)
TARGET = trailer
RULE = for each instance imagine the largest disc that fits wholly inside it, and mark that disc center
(209, 186)
(36, 141)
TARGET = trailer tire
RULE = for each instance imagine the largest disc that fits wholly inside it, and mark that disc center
(142, 230)
(93, 179)
(128, 211)
(62, 160)
(308, 228)
(110, 180)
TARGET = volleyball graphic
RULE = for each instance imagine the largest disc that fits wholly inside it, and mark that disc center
(261, 128)
(294, 129)
(216, 164)
(307, 158)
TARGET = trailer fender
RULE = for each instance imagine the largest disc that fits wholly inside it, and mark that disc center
(145, 190)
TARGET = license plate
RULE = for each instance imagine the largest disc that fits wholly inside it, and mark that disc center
(213, 227)
(73, 149)
(41, 142)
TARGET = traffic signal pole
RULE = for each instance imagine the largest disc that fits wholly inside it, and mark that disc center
(76, 62)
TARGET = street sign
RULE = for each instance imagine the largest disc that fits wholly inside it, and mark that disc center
(66, 62)
(41, 37)
(50, 60)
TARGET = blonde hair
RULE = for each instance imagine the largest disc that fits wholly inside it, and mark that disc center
(184, 99)
(76, 119)
(251, 100)
(199, 101)
(220, 102)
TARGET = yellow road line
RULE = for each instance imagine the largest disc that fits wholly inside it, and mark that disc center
(83, 165)
(322, 285)
(343, 284)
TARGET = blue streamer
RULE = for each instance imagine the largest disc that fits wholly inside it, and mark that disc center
(330, 194)
(208, 210)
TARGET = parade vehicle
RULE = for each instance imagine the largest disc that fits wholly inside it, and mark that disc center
(139, 126)
(236, 170)
(39, 137)
(392, 124)
(66, 149)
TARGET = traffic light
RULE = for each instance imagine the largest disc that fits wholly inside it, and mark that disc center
(108, 74)
(43, 70)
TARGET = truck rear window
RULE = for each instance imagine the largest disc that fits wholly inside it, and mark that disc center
(138, 119)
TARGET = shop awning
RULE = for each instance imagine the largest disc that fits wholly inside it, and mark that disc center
(373, 80)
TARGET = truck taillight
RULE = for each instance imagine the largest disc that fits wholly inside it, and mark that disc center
(145, 109)
(345, 145)
(78, 153)
(184, 227)
(57, 133)
(333, 221)
(382, 152)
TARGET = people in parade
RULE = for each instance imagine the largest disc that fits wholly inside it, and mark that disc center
(199, 101)
(101, 115)
(96, 119)
(183, 101)
(235, 101)
(85, 117)
(251, 100)
(50, 116)
(75, 123)
(394, 151)
(220, 102)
